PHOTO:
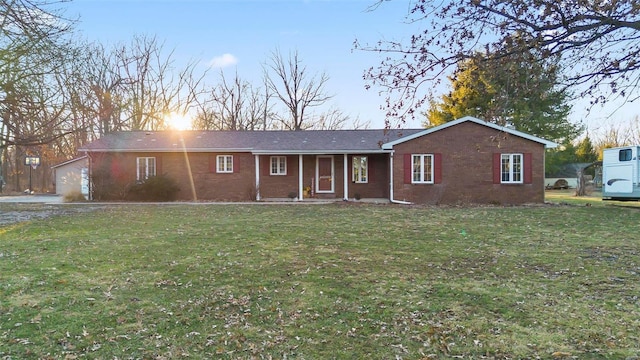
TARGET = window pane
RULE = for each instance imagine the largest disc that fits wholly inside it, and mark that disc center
(355, 169)
(506, 167)
(427, 168)
(225, 163)
(151, 167)
(278, 165)
(624, 155)
(363, 169)
(141, 167)
(359, 169)
(517, 167)
(417, 168)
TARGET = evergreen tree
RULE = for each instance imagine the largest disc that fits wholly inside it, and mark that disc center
(585, 152)
(556, 158)
(525, 94)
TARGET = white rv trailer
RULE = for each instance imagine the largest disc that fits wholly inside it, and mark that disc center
(621, 173)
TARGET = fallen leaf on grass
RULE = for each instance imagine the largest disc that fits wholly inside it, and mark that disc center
(560, 354)
(36, 319)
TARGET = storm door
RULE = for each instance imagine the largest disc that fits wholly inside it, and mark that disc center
(324, 174)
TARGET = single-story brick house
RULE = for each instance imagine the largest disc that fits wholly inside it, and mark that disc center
(464, 161)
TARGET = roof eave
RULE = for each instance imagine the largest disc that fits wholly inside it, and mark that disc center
(69, 161)
(318, 152)
(546, 143)
(175, 149)
(253, 151)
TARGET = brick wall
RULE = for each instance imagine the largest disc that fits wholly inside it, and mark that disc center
(467, 167)
(378, 184)
(195, 173)
(278, 186)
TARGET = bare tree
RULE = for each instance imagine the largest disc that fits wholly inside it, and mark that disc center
(298, 91)
(598, 40)
(152, 87)
(33, 45)
(233, 105)
(615, 135)
(332, 119)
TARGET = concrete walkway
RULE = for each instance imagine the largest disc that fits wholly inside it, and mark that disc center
(36, 198)
(57, 199)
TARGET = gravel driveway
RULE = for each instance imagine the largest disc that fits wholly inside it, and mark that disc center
(20, 208)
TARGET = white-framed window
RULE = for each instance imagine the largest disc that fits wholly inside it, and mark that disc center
(511, 168)
(278, 165)
(146, 168)
(224, 163)
(422, 169)
(625, 155)
(360, 170)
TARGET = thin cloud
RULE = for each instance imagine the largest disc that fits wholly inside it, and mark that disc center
(223, 61)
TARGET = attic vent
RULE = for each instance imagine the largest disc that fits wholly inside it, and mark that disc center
(153, 139)
(138, 139)
(199, 137)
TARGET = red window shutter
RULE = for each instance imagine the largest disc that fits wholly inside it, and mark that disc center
(158, 165)
(496, 168)
(407, 168)
(370, 169)
(266, 165)
(437, 168)
(290, 165)
(235, 163)
(528, 169)
(212, 163)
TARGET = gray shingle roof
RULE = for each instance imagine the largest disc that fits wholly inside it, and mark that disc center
(273, 142)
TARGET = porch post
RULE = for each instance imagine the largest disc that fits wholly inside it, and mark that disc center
(257, 161)
(345, 172)
(391, 177)
(300, 179)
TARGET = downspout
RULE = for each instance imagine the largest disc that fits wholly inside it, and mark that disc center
(300, 179)
(345, 172)
(391, 199)
(257, 162)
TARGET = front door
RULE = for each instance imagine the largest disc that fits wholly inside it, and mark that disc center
(324, 173)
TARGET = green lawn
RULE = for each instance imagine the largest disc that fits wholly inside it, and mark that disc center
(337, 281)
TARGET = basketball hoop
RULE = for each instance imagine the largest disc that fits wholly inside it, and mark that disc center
(34, 161)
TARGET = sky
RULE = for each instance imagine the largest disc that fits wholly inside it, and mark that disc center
(239, 36)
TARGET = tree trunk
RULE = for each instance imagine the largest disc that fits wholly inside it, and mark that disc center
(581, 188)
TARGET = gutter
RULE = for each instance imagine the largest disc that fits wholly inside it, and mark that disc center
(391, 199)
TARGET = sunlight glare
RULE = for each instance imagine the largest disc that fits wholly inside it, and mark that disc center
(178, 121)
